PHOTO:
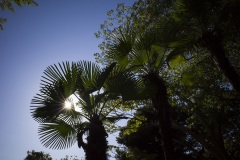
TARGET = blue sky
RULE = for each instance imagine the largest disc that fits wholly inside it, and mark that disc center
(34, 38)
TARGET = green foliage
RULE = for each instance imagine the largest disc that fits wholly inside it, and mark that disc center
(133, 124)
(140, 137)
(205, 110)
(165, 48)
(2, 20)
(188, 79)
(177, 61)
(98, 106)
(127, 18)
(9, 5)
(179, 41)
(33, 155)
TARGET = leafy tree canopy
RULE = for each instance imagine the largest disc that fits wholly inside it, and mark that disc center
(200, 70)
(33, 155)
(9, 5)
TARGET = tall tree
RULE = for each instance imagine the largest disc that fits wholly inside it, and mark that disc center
(141, 53)
(60, 127)
(213, 25)
(186, 28)
(205, 97)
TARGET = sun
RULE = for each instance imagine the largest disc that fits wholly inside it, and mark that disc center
(67, 104)
(71, 102)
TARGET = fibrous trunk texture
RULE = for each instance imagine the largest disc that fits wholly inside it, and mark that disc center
(96, 148)
(161, 104)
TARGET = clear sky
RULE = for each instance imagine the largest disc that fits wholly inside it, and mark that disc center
(34, 38)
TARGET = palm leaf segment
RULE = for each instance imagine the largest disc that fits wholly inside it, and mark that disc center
(144, 51)
(59, 126)
(142, 54)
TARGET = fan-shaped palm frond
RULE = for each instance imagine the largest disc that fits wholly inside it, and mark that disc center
(49, 103)
(57, 135)
(89, 71)
(127, 85)
(145, 50)
(102, 77)
(58, 83)
(121, 47)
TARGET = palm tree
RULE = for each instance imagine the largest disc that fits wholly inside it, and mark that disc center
(61, 127)
(142, 54)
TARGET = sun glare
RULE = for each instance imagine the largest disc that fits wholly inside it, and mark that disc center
(70, 102)
(67, 105)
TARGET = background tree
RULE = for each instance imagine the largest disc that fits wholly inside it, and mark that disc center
(140, 139)
(212, 25)
(207, 105)
(33, 155)
(187, 34)
(9, 5)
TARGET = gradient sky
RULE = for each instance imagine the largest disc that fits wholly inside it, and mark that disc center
(34, 38)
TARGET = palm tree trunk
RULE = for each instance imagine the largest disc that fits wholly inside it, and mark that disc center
(96, 148)
(213, 42)
(160, 103)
